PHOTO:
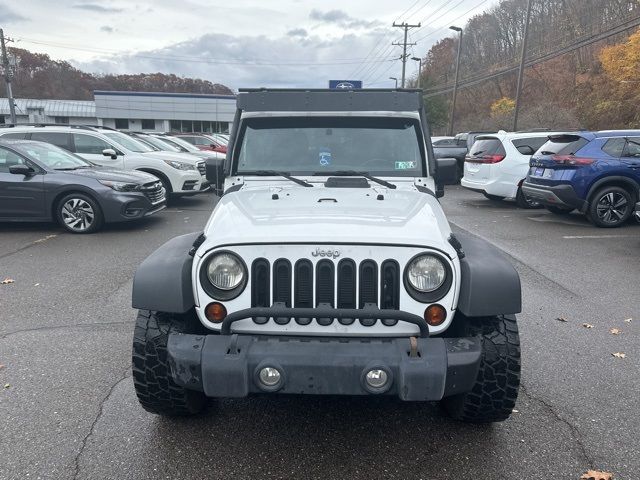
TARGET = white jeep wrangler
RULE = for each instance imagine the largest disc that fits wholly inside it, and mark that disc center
(328, 267)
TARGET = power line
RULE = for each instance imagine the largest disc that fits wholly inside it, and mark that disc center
(450, 21)
(472, 81)
(183, 58)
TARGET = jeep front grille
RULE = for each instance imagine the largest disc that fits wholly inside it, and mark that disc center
(345, 285)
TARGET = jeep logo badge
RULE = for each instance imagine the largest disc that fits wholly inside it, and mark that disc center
(326, 253)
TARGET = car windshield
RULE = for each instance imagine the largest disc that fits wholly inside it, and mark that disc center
(52, 156)
(382, 146)
(160, 144)
(182, 143)
(128, 143)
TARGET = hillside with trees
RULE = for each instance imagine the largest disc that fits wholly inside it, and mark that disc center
(38, 76)
(595, 86)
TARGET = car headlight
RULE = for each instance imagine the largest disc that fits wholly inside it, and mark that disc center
(426, 273)
(121, 186)
(180, 165)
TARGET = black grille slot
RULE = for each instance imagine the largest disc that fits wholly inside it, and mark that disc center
(390, 288)
(303, 290)
(325, 287)
(282, 286)
(260, 286)
(368, 288)
(202, 168)
(347, 287)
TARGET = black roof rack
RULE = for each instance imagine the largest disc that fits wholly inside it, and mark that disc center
(328, 100)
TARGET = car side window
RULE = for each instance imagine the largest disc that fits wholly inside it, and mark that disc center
(89, 144)
(614, 146)
(59, 139)
(633, 147)
(9, 158)
(534, 144)
(14, 136)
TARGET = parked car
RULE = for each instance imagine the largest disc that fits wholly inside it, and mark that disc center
(497, 165)
(186, 147)
(179, 174)
(450, 147)
(203, 141)
(597, 173)
(42, 182)
(469, 138)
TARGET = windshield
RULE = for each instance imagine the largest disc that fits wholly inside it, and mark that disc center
(52, 156)
(182, 144)
(159, 144)
(314, 145)
(128, 142)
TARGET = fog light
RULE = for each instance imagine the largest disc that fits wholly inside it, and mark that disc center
(269, 376)
(376, 378)
(435, 315)
(215, 312)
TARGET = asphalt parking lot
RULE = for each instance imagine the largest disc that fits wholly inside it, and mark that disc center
(68, 409)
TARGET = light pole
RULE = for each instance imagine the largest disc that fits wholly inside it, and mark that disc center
(419, 60)
(394, 78)
(455, 85)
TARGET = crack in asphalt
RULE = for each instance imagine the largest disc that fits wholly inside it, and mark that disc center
(37, 242)
(76, 460)
(575, 433)
(61, 327)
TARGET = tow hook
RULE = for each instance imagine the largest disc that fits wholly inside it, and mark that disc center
(413, 347)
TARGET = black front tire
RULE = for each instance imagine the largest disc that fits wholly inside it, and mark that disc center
(154, 385)
(559, 210)
(494, 198)
(495, 390)
(522, 201)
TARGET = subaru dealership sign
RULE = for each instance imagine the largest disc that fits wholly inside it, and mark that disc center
(345, 84)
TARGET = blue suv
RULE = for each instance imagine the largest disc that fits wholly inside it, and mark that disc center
(597, 173)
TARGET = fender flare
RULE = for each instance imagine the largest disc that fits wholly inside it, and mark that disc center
(612, 179)
(163, 280)
(489, 284)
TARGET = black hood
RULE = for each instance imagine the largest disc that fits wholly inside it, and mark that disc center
(114, 175)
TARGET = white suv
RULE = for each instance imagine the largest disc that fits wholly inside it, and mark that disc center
(181, 174)
(498, 163)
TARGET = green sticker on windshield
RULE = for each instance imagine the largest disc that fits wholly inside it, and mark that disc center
(405, 165)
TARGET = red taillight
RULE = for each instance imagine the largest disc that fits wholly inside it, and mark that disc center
(485, 159)
(572, 160)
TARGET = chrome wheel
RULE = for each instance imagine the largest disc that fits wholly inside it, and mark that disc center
(612, 207)
(77, 214)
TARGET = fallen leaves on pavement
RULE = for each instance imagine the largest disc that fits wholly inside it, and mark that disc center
(587, 325)
(619, 355)
(561, 319)
(6, 385)
(628, 320)
(596, 475)
(615, 331)
(7, 281)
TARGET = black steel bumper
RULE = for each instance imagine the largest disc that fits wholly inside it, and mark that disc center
(418, 368)
(555, 196)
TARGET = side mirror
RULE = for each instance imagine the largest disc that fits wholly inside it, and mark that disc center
(21, 170)
(110, 152)
(446, 174)
(215, 174)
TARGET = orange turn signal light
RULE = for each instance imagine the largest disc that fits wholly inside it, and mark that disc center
(215, 312)
(435, 315)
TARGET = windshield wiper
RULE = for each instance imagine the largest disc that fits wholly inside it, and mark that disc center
(274, 173)
(353, 173)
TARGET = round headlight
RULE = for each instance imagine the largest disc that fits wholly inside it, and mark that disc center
(225, 271)
(426, 273)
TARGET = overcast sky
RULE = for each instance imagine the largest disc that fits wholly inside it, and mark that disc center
(249, 43)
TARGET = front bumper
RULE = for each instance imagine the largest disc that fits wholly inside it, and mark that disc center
(126, 206)
(418, 369)
(555, 196)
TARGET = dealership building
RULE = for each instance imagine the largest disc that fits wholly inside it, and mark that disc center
(148, 111)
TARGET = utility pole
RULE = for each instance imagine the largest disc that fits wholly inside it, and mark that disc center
(452, 115)
(419, 60)
(404, 46)
(6, 67)
(523, 54)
